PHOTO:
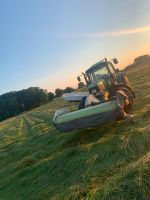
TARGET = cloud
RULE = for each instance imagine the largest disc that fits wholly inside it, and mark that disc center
(117, 33)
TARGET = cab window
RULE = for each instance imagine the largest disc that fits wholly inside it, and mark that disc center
(101, 73)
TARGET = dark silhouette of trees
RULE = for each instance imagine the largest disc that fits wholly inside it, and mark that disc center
(68, 90)
(58, 92)
(51, 96)
(13, 103)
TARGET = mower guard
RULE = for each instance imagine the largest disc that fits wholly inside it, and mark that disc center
(103, 113)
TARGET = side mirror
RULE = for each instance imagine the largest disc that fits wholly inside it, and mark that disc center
(79, 79)
(115, 61)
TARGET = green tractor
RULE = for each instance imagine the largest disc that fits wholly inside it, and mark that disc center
(103, 80)
(110, 98)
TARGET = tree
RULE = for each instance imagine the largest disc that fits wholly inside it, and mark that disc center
(58, 92)
(50, 96)
(68, 90)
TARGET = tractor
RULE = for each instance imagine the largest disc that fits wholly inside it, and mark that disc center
(110, 98)
(103, 80)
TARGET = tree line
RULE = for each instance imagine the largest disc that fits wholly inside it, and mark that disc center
(14, 103)
(59, 92)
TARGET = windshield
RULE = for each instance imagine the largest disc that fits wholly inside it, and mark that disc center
(99, 73)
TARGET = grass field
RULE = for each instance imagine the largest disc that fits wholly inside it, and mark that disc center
(109, 163)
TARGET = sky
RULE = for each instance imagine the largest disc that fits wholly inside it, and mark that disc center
(47, 43)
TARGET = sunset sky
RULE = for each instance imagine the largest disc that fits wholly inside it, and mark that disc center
(47, 43)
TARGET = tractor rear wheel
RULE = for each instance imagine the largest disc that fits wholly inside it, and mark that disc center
(130, 100)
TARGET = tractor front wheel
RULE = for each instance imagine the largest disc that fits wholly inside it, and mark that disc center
(82, 103)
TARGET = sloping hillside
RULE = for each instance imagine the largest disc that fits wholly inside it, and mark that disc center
(109, 162)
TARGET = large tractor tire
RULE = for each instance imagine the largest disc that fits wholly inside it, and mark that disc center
(131, 95)
(127, 87)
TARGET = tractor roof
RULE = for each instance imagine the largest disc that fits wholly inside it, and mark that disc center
(96, 65)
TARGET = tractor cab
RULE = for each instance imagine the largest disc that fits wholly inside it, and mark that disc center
(100, 78)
